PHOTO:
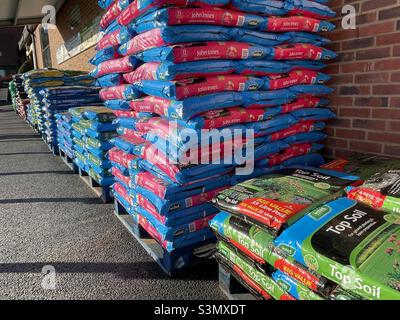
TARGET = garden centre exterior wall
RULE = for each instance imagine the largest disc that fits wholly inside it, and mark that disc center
(367, 80)
(89, 10)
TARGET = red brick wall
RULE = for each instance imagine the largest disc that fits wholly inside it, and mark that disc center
(89, 10)
(367, 80)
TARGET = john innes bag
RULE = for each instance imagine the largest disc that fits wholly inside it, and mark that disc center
(199, 16)
(228, 18)
(212, 50)
(186, 88)
(121, 65)
(349, 243)
(140, 8)
(288, 7)
(277, 200)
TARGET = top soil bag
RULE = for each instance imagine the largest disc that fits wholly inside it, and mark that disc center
(140, 8)
(351, 244)
(364, 166)
(279, 200)
(228, 18)
(382, 192)
(257, 244)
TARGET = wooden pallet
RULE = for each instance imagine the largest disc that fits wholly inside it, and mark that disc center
(104, 193)
(172, 264)
(69, 162)
(231, 286)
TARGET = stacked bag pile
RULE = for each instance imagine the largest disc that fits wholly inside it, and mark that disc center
(19, 97)
(59, 99)
(12, 88)
(283, 239)
(64, 134)
(213, 65)
(92, 130)
(51, 91)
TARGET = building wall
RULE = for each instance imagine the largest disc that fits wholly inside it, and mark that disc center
(89, 10)
(367, 80)
(9, 48)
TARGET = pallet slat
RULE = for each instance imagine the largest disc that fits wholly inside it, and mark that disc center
(173, 263)
(104, 193)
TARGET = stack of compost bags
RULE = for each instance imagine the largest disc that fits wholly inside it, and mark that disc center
(58, 99)
(12, 88)
(92, 130)
(208, 65)
(280, 235)
(64, 133)
(51, 91)
(19, 97)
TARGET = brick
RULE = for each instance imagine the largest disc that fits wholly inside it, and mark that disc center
(394, 126)
(386, 89)
(374, 4)
(394, 102)
(388, 39)
(376, 53)
(340, 122)
(342, 79)
(372, 77)
(377, 28)
(366, 18)
(365, 90)
(349, 90)
(395, 77)
(355, 112)
(350, 134)
(369, 124)
(346, 56)
(386, 114)
(371, 101)
(357, 67)
(337, 143)
(341, 34)
(341, 101)
(387, 64)
(357, 43)
(396, 51)
(368, 147)
(389, 13)
(392, 151)
(384, 137)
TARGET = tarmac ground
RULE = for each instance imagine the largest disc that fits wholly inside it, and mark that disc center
(51, 220)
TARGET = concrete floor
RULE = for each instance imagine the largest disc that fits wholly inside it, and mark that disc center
(48, 216)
